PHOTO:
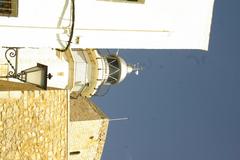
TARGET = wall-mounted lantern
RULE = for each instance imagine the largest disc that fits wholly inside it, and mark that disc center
(37, 75)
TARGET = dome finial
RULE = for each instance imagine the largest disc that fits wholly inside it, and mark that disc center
(134, 68)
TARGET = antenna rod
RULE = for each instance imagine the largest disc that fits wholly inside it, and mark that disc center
(118, 119)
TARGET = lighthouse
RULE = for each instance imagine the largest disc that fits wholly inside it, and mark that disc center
(68, 125)
(82, 71)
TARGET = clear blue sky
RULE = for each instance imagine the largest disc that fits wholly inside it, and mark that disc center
(185, 105)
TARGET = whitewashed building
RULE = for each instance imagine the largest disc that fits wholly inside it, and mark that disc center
(148, 24)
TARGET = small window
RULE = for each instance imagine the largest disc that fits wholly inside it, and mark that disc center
(9, 8)
(73, 153)
(126, 1)
(3, 70)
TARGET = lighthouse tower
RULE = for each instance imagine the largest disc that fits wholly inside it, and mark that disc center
(105, 71)
(101, 71)
(77, 127)
(83, 72)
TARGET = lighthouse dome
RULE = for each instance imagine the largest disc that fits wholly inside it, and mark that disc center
(118, 69)
(124, 69)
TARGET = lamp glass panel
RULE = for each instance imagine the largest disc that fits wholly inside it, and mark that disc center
(37, 75)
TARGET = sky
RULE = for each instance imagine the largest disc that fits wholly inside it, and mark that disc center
(185, 105)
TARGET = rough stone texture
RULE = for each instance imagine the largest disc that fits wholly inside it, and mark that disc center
(87, 130)
(34, 126)
(6, 85)
(83, 109)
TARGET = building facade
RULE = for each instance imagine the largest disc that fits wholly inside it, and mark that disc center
(148, 24)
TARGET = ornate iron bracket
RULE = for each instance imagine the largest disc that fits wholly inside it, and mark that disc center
(12, 53)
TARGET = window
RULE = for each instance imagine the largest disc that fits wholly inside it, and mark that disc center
(9, 8)
(74, 153)
(126, 1)
(3, 70)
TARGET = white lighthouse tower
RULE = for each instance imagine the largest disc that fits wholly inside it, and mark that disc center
(82, 71)
(91, 71)
(77, 127)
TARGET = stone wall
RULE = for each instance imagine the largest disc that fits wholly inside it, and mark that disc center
(87, 138)
(83, 109)
(34, 126)
(6, 85)
(87, 130)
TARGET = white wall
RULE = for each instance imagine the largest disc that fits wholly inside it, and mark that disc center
(28, 58)
(102, 24)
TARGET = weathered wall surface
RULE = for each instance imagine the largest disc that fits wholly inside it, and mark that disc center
(34, 125)
(83, 109)
(87, 130)
(6, 85)
(88, 138)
